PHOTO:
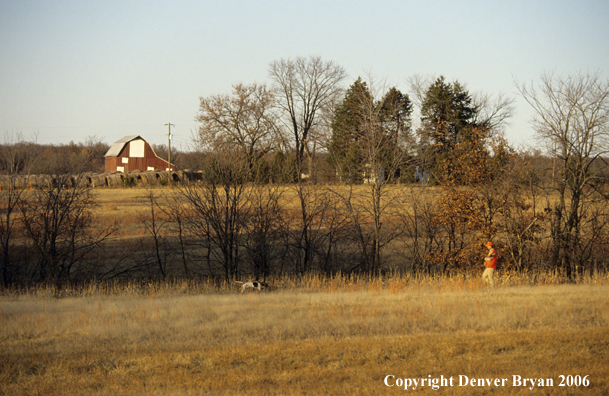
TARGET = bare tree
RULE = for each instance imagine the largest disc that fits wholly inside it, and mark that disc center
(240, 123)
(421, 229)
(384, 139)
(10, 196)
(156, 223)
(312, 226)
(572, 115)
(217, 207)
(263, 228)
(176, 212)
(12, 159)
(304, 87)
(58, 219)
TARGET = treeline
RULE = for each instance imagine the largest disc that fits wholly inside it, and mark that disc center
(25, 158)
(30, 158)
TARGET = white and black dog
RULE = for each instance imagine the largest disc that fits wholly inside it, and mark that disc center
(253, 285)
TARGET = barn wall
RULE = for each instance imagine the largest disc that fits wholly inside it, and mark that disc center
(111, 164)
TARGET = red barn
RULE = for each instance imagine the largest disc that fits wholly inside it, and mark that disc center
(131, 153)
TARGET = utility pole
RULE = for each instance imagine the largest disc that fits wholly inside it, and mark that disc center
(169, 125)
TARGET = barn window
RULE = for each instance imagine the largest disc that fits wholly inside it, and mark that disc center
(125, 160)
(150, 168)
(120, 168)
(136, 148)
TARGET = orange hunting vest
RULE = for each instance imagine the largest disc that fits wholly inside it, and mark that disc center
(492, 263)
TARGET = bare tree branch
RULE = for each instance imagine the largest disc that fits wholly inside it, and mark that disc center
(304, 87)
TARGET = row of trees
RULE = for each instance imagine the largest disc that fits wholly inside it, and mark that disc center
(365, 130)
(369, 135)
(48, 234)
(18, 156)
(291, 117)
(572, 117)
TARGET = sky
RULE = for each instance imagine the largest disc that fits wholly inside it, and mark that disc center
(75, 70)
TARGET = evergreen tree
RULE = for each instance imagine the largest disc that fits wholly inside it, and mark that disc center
(362, 124)
(261, 171)
(284, 168)
(448, 124)
(345, 153)
(446, 112)
(396, 120)
(277, 167)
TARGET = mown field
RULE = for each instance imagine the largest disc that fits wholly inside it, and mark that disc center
(317, 336)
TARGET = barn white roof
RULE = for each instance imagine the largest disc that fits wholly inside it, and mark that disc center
(117, 147)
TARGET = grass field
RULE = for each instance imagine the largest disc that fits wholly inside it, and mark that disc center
(341, 339)
(347, 335)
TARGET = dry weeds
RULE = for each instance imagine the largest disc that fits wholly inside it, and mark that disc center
(341, 339)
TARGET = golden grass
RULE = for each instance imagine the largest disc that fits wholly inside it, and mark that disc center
(318, 339)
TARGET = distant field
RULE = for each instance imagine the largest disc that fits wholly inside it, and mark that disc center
(317, 340)
(129, 205)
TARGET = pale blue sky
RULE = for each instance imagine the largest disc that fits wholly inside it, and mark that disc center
(74, 69)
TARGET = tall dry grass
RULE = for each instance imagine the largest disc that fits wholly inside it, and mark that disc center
(333, 336)
(312, 282)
